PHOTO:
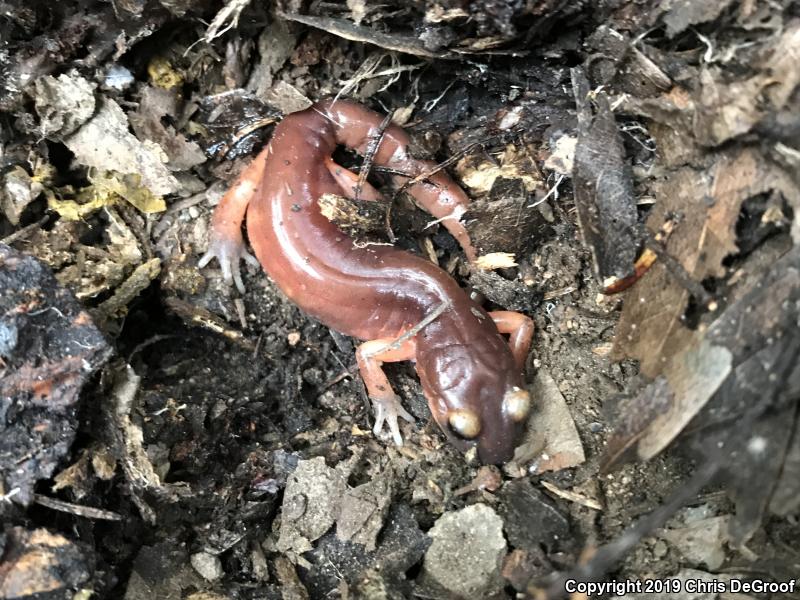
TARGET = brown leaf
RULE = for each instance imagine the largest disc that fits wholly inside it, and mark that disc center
(146, 122)
(651, 328)
(603, 187)
(726, 111)
(761, 315)
(551, 430)
(720, 110)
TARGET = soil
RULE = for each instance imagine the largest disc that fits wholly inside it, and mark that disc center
(231, 397)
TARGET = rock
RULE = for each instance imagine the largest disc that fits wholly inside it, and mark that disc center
(467, 552)
(363, 510)
(63, 104)
(331, 561)
(207, 565)
(402, 542)
(310, 504)
(40, 564)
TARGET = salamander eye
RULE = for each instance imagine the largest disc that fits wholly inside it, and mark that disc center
(464, 423)
(517, 404)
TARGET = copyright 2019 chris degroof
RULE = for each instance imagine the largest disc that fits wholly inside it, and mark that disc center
(674, 586)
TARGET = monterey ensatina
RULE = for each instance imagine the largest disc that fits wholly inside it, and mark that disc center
(471, 377)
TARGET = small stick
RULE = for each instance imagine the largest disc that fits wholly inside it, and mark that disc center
(76, 509)
(676, 269)
(386, 170)
(200, 317)
(370, 151)
(22, 233)
(413, 331)
(348, 372)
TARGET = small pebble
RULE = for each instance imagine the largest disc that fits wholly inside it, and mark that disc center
(207, 565)
(660, 549)
(118, 78)
(466, 553)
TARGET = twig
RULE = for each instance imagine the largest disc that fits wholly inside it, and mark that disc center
(21, 233)
(180, 205)
(200, 317)
(76, 509)
(676, 269)
(375, 139)
(413, 331)
(572, 496)
(149, 342)
(348, 372)
(383, 170)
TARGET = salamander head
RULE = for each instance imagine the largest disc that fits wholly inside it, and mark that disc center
(475, 394)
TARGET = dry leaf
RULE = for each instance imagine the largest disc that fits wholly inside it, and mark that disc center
(651, 327)
(757, 320)
(601, 177)
(552, 428)
(105, 143)
(726, 111)
(147, 123)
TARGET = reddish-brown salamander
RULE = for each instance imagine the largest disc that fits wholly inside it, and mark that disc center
(470, 375)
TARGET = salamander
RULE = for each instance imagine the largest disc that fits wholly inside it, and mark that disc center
(470, 375)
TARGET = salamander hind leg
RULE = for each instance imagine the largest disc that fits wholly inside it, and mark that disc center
(520, 329)
(348, 182)
(370, 357)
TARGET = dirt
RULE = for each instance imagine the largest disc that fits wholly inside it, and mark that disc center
(226, 450)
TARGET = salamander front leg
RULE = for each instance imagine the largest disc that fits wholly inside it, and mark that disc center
(370, 357)
(225, 241)
(520, 329)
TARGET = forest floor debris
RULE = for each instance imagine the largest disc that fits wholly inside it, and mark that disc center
(226, 452)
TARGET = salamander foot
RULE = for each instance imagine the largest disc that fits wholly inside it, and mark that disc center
(387, 410)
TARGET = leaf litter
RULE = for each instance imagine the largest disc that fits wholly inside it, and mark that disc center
(683, 154)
